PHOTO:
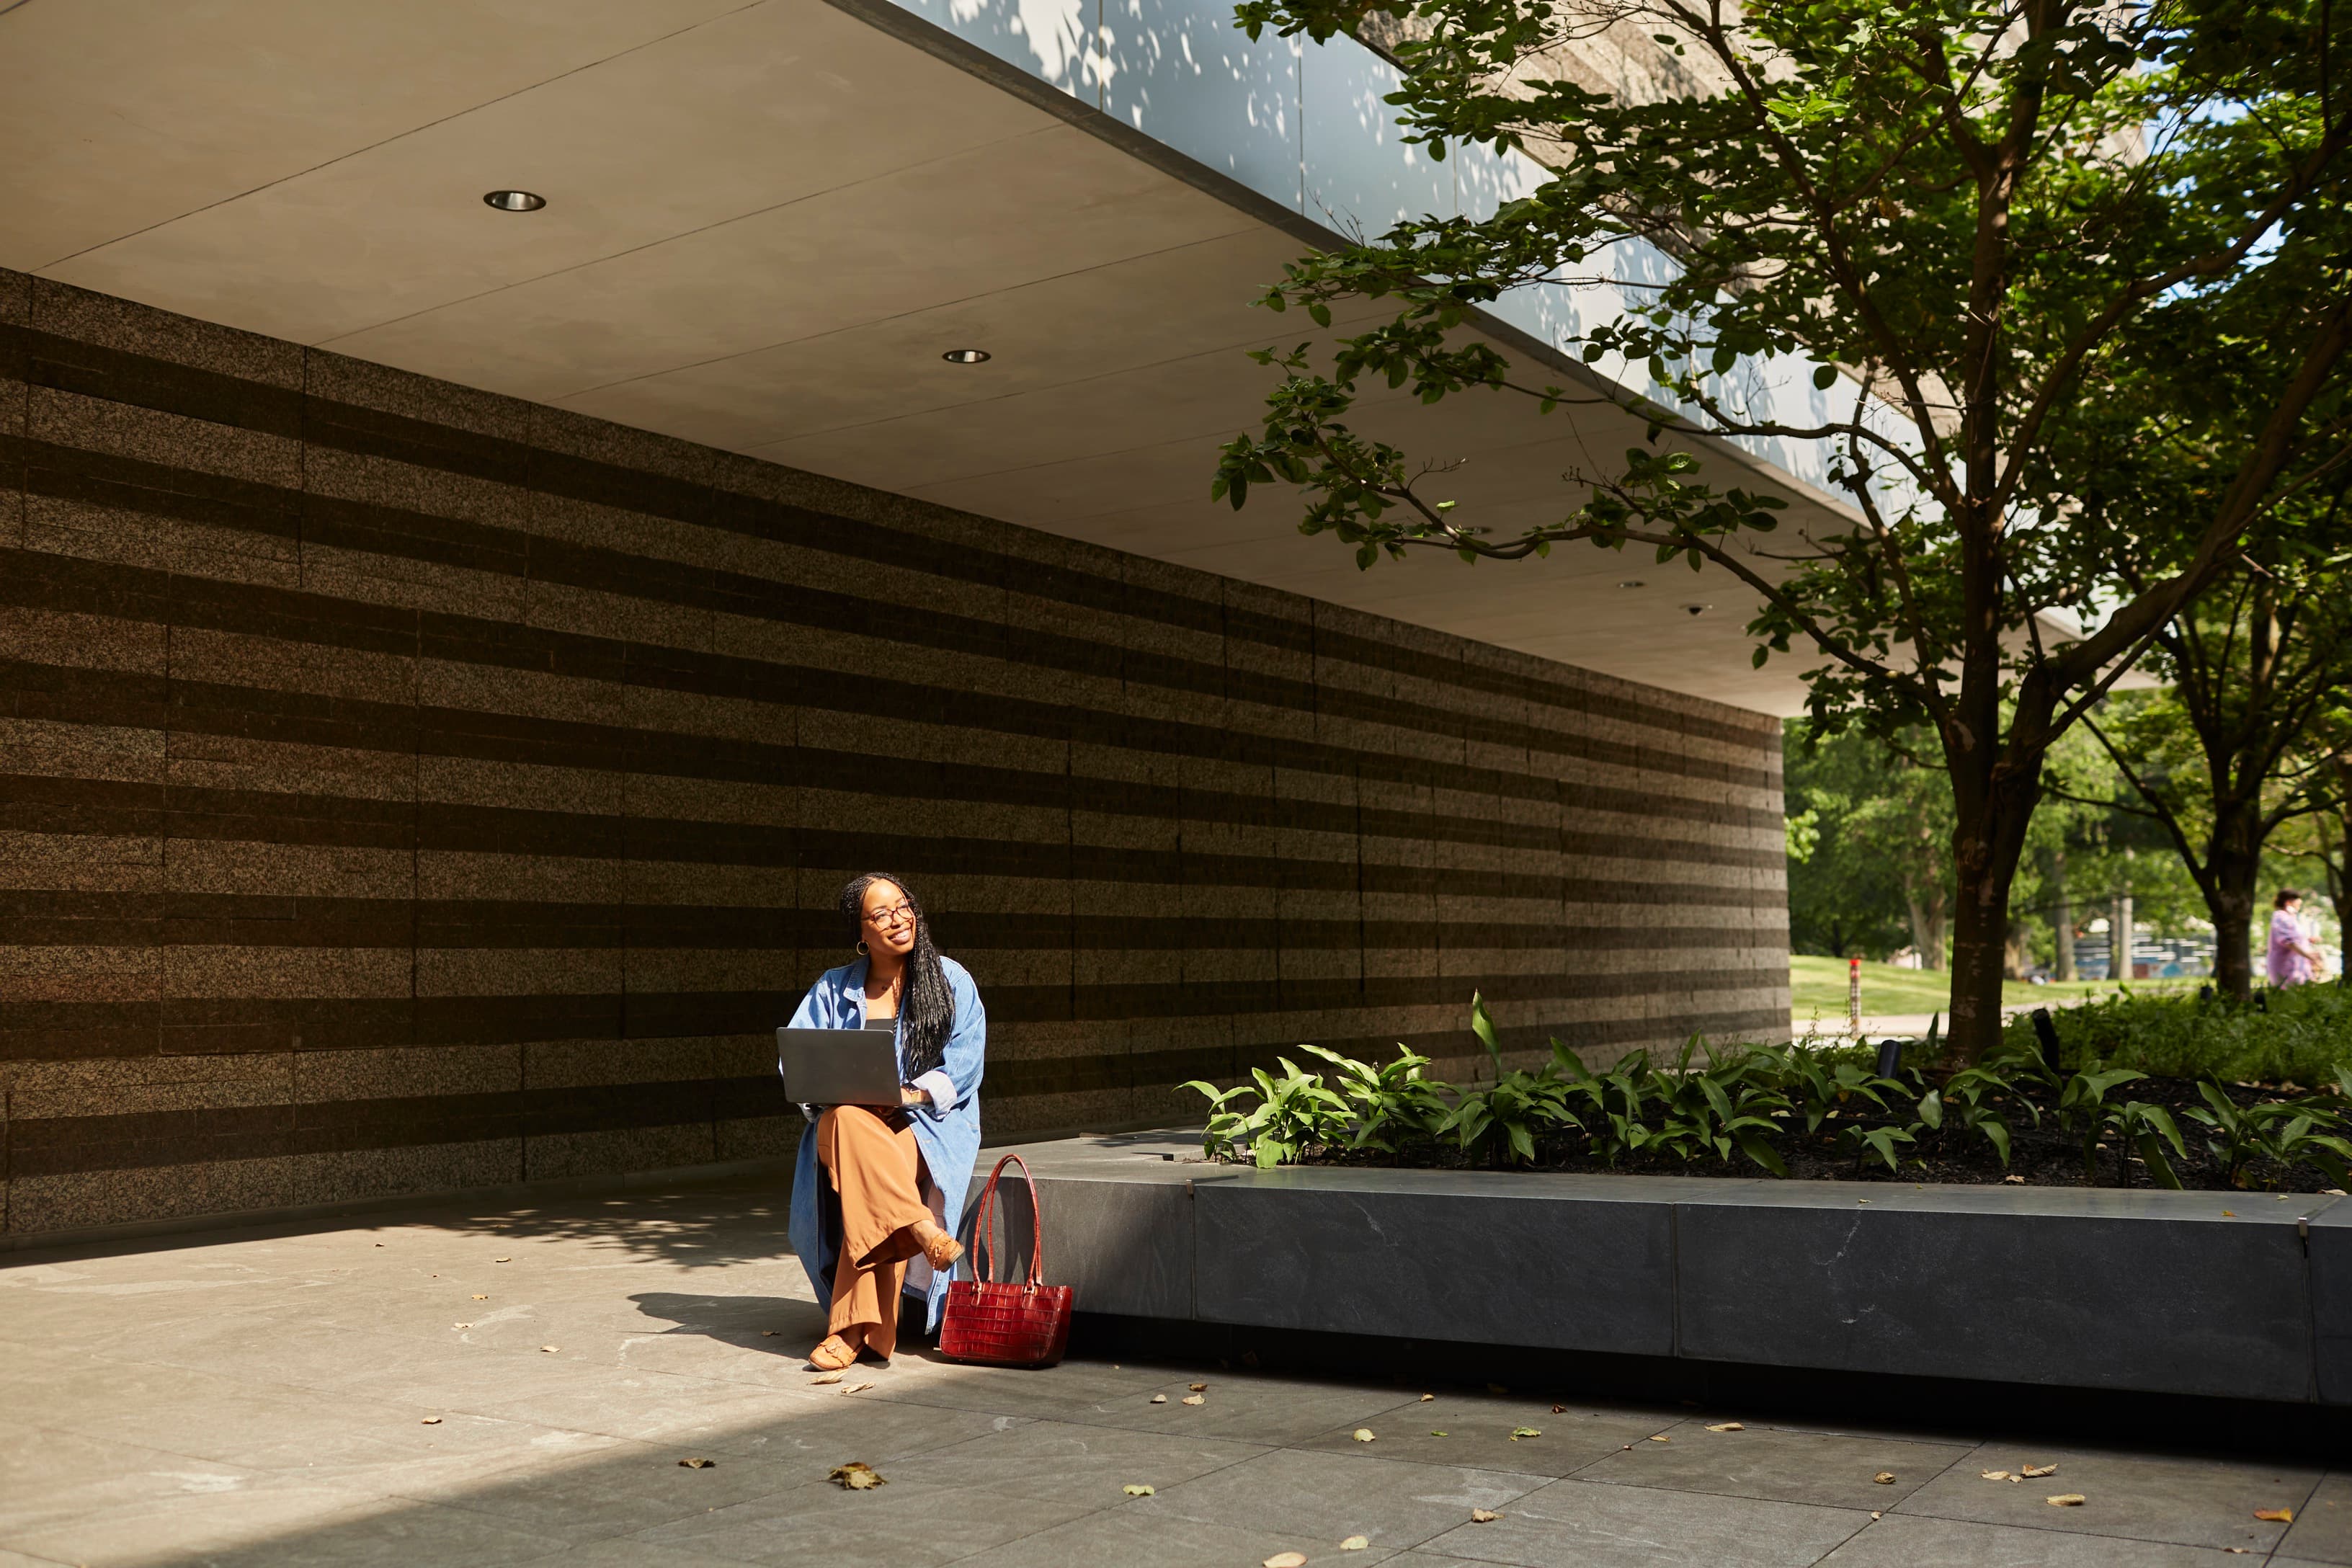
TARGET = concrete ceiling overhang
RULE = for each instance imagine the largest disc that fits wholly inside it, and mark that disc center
(765, 223)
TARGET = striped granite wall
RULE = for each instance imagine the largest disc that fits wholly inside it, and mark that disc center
(404, 789)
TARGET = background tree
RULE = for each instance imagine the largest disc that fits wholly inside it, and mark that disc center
(2114, 851)
(2224, 753)
(2315, 850)
(1878, 874)
(2218, 761)
(1869, 828)
(1988, 216)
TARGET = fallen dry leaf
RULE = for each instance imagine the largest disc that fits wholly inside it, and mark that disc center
(1159, 1399)
(430, 1421)
(481, 1297)
(1884, 1478)
(1661, 1439)
(826, 1378)
(502, 1260)
(1484, 1516)
(461, 1325)
(2228, 1214)
(2014, 1181)
(2035, 1472)
(1727, 1427)
(1876, 1514)
(2275, 1515)
(1287, 1560)
(1435, 1433)
(1364, 1435)
(858, 1388)
(2066, 1499)
(857, 1476)
(2333, 1193)
(2235, 1551)
(1137, 1491)
(1998, 1476)
(697, 1463)
(1559, 1410)
(1519, 1432)
(1427, 1397)
(1356, 1543)
(770, 1334)
(1198, 1387)
(550, 1349)
(1194, 1399)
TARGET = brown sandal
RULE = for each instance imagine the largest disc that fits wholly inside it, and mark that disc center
(940, 1247)
(836, 1353)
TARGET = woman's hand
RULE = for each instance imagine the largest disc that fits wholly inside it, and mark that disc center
(909, 1095)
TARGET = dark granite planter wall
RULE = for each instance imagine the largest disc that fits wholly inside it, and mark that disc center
(404, 789)
(2145, 1292)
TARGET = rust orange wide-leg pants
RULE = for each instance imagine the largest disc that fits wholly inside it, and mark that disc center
(872, 1160)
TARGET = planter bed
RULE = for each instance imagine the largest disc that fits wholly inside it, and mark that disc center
(2039, 1156)
(2239, 1295)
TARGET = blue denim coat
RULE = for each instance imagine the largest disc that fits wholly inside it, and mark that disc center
(948, 1141)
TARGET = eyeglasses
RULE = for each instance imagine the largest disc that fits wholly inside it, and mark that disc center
(893, 915)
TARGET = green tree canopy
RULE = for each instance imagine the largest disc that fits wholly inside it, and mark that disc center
(1983, 221)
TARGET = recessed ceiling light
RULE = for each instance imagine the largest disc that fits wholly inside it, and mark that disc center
(515, 201)
(1632, 582)
(966, 356)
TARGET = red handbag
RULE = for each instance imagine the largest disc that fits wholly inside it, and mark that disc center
(999, 1323)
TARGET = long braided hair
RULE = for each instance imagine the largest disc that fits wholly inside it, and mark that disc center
(926, 1006)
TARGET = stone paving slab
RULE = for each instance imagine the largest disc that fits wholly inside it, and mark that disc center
(2323, 1528)
(262, 1399)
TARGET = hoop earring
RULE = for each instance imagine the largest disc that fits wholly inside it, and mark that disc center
(861, 948)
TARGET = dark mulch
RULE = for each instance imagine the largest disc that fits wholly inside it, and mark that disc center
(2044, 1157)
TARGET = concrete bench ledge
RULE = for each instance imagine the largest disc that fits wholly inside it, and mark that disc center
(2151, 1291)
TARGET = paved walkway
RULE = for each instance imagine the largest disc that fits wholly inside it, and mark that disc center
(453, 1386)
(1831, 1026)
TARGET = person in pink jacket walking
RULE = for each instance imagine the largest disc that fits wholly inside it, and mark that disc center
(2295, 958)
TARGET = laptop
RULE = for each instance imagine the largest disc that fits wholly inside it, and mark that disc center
(839, 1067)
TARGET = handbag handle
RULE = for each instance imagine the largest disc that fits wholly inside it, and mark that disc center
(1036, 1214)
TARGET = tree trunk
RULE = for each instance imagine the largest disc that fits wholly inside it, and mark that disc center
(2062, 918)
(2234, 863)
(1994, 812)
(1927, 921)
(2020, 953)
(1978, 946)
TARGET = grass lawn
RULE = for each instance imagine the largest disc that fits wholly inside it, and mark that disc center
(1817, 985)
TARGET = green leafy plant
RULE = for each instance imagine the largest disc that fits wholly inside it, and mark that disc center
(1862, 1140)
(1502, 1121)
(1709, 1105)
(2301, 1035)
(2082, 1108)
(1293, 1112)
(2284, 1133)
(1824, 1088)
(1729, 1103)
(1976, 1100)
(2136, 1124)
(1389, 1104)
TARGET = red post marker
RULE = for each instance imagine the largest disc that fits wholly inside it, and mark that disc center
(1853, 996)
